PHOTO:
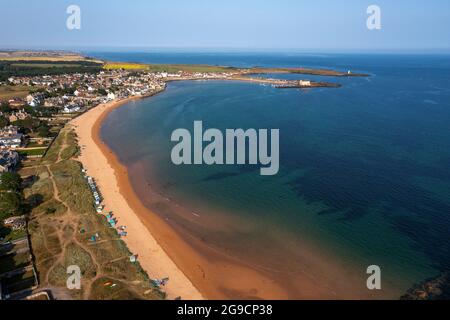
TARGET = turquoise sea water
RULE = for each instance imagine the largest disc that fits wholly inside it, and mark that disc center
(365, 169)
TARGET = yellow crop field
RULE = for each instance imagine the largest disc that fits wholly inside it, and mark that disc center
(125, 66)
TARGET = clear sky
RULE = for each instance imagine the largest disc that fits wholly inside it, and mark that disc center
(244, 24)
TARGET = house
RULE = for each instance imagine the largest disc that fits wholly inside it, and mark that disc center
(18, 115)
(16, 223)
(70, 108)
(111, 96)
(10, 138)
(16, 103)
(305, 83)
(8, 161)
(13, 80)
(32, 101)
(9, 130)
(11, 142)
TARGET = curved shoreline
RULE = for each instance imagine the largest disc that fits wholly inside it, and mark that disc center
(161, 250)
(112, 179)
(195, 269)
(178, 265)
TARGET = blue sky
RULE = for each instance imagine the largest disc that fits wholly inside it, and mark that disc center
(245, 24)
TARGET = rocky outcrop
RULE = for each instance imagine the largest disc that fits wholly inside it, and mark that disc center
(432, 289)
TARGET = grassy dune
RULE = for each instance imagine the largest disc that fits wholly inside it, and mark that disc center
(61, 223)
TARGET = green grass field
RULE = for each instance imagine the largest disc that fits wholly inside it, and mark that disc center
(11, 235)
(61, 225)
(8, 92)
(43, 65)
(33, 152)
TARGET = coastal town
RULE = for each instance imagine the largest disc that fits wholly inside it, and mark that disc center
(29, 123)
(53, 100)
(31, 126)
(60, 203)
(233, 159)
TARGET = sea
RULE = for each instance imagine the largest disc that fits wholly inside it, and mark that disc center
(364, 169)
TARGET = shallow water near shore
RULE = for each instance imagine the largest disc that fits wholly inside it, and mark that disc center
(364, 177)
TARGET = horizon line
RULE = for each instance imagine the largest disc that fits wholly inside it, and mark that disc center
(205, 49)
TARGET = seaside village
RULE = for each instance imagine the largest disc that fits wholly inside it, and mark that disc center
(29, 124)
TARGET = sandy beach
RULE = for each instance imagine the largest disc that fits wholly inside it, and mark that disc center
(140, 241)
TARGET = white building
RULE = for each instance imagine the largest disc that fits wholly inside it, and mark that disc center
(305, 83)
(32, 101)
(71, 108)
(111, 96)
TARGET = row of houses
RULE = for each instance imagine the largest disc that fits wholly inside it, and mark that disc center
(35, 99)
(16, 115)
(76, 92)
(10, 138)
(94, 189)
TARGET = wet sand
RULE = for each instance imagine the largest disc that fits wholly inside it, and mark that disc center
(175, 243)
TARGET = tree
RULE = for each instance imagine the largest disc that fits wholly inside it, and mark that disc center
(69, 90)
(11, 204)
(43, 131)
(102, 92)
(28, 124)
(4, 231)
(28, 109)
(3, 122)
(10, 181)
(5, 107)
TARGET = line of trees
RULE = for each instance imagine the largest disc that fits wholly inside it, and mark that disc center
(12, 201)
(26, 68)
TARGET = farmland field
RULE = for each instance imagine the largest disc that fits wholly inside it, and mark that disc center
(8, 92)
